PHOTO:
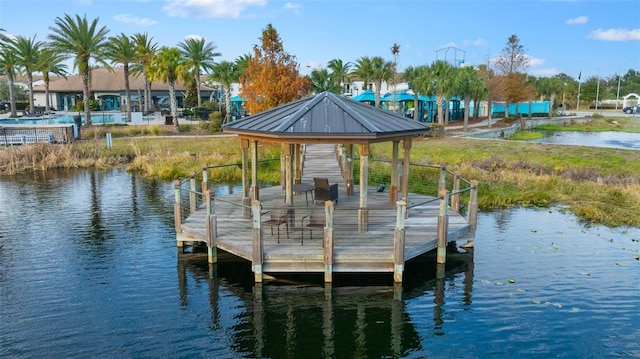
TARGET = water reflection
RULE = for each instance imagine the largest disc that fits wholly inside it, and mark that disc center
(89, 268)
(312, 320)
(596, 139)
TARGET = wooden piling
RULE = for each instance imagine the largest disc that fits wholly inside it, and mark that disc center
(472, 215)
(442, 226)
(328, 242)
(258, 242)
(205, 181)
(177, 210)
(193, 202)
(455, 199)
(398, 242)
(212, 229)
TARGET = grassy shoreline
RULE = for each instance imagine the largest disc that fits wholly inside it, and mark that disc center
(599, 185)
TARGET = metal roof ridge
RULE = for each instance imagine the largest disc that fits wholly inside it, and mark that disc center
(311, 102)
(356, 114)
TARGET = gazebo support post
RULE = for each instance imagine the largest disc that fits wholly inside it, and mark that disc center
(328, 242)
(288, 176)
(254, 171)
(393, 186)
(349, 170)
(298, 178)
(407, 143)
(363, 211)
(246, 200)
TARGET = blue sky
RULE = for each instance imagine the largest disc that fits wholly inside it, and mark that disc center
(594, 37)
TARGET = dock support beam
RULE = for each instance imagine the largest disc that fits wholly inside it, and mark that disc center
(254, 171)
(442, 226)
(398, 242)
(395, 176)
(177, 210)
(406, 146)
(193, 202)
(328, 242)
(246, 200)
(363, 212)
(473, 206)
(258, 242)
(455, 199)
(212, 229)
(205, 181)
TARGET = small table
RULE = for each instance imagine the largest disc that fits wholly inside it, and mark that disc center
(304, 188)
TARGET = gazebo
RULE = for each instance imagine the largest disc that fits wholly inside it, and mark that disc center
(326, 118)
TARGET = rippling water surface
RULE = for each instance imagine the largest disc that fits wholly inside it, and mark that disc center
(624, 140)
(89, 268)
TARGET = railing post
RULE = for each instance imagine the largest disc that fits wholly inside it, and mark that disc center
(398, 242)
(193, 202)
(455, 199)
(442, 226)
(328, 242)
(472, 215)
(205, 181)
(177, 210)
(258, 243)
(212, 228)
(442, 183)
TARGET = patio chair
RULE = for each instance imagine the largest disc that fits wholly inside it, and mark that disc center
(324, 191)
(315, 221)
(277, 217)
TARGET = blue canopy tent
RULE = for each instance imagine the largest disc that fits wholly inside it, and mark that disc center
(236, 107)
(367, 96)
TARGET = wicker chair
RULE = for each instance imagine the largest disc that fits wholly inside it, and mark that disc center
(324, 191)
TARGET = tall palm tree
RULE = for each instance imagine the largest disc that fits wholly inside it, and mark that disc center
(441, 71)
(381, 71)
(121, 50)
(468, 84)
(145, 50)
(84, 40)
(168, 66)
(422, 82)
(340, 72)
(9, 66)
(226, 73)
(27, 53)
(363, 70)
(200, 56)
(50, 62)
(321, 81)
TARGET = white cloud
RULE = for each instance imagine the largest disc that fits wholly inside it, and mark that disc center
(615, 35)
(294, 7)
(193, 36)
(577, 21)
(533, 61)
(545, 72)
(479, 42)
(209, 8)
(128, 19)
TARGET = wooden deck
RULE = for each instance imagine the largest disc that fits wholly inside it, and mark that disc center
(353, 251)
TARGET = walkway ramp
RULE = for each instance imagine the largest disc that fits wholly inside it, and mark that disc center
(320, 161)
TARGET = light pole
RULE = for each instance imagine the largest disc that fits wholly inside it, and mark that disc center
(563, 97)
(618, 93)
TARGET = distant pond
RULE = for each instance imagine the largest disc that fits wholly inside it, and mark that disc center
(89, 268)
(596, 139)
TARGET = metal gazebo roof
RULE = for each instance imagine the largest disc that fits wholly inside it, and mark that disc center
(327, 118)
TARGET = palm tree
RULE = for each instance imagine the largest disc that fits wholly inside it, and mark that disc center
(50, 62)
(321, 80)
(363, 70)
(442, 72)
(468, 84)
(121, 50)
(168, 65)
(27, 53)
(381, 71)
(83, 40)
(9, 66)
(226, 73)
(199, 55)
(340, 72)
(145, 50)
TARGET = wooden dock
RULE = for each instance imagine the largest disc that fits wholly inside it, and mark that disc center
(228, 227)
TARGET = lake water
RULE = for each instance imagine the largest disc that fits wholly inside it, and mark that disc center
(89, 268)
(597, 139)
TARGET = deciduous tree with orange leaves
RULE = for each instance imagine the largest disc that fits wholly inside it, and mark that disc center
(271, 77)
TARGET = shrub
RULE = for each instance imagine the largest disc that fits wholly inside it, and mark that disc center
(215, 126)
(187, 112)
